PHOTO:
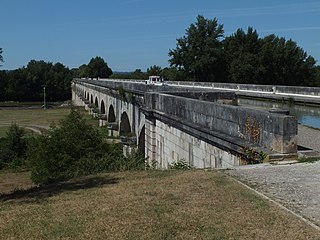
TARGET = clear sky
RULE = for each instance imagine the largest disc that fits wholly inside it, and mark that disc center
(132, 34)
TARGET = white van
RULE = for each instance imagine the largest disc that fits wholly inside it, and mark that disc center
(155, 80)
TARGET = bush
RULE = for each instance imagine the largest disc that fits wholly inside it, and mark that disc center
(180, 165)
(13, 148)
(76, 149)
(65, 152)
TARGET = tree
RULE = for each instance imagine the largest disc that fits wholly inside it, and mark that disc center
(26, 84)
(138, 74)
(82, 71)
(173, 74)
(285, 63)
(1, 58)
(3, 85)
(317, 77)
(154, 70)
(73, 149)
(97, 67)
(13, 147)
(241, 50)
(199, 53)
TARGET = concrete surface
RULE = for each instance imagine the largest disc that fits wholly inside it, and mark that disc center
(295, 186)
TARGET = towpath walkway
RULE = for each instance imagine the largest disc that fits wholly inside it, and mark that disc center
(295, 186)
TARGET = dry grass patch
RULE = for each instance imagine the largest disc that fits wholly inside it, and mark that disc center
(146, 205)
(13, 181)
(36, 118)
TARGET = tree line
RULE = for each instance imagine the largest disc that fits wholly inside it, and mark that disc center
(202, 54)
(27, 83)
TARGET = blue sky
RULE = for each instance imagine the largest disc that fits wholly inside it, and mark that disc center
(132, 34)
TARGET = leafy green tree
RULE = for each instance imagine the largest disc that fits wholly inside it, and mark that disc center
(1, 58)
(16, 143)
(285, 63)
(241, 50)
(26, 84)
(97, 67)
(138, 74)
(173, 74)
(73, 149)
(199, 53)
(317, 77)
(13, 147)
(154, 70)
(3, 85)
(82, 71)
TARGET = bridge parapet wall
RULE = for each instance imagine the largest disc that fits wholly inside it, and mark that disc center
(269, 130)
(295, 90)
(139, 85)
(135, 87)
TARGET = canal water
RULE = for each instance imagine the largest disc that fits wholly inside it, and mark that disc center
(306, 115)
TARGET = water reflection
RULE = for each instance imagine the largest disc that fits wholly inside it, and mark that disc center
(306, 115)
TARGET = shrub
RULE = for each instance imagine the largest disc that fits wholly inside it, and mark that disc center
(76, 149)
(71, 150)
(181, 165)
(13, 148)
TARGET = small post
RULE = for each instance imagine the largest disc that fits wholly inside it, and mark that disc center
(44, 98)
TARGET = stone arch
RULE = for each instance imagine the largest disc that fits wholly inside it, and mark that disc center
(141, 141)
(96, 103)
(102, 107)
(111, 115)
(91, 99)
(125, 127)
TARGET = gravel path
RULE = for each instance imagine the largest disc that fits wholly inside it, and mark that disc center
(295, 186)
(309, 137)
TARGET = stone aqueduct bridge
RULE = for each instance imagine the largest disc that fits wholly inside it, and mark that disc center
(202, 127)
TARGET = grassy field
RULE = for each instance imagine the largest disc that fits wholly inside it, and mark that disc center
(171, 204)
(35, 118)
(135, 205)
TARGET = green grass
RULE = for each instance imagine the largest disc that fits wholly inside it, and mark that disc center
(20, 104)
(36, 118)
(171, 204)
(308, 159)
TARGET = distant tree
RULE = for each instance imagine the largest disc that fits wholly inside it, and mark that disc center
(138, 74)
(97, 67)
(241, 50)
(317, 77)
(1, 58)
(154, 70)
(173, 74)
(3, 85)
(81, 72)
(26, 84)
(285, 63)
(199, 54)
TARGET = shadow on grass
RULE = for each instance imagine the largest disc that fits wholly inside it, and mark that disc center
(39, 193)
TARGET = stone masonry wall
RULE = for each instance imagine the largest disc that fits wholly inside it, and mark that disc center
(174, 145)
(269, 130)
